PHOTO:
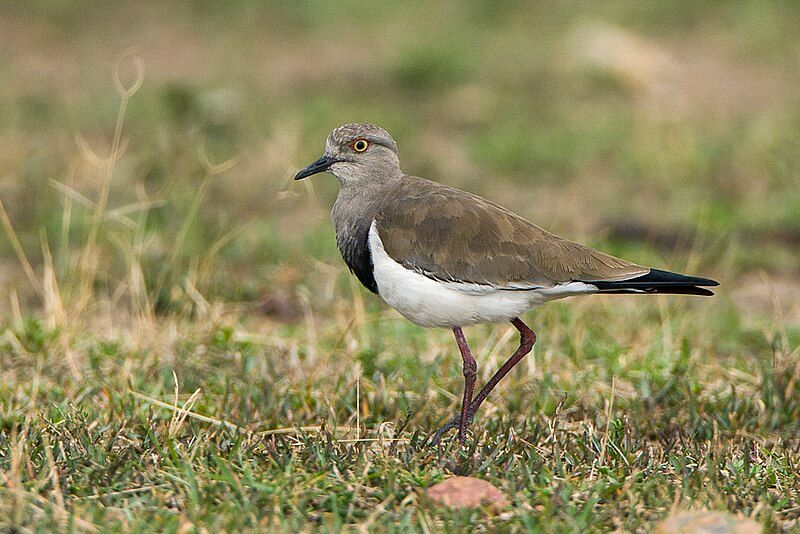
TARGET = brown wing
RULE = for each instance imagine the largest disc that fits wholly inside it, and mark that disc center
(452, 235)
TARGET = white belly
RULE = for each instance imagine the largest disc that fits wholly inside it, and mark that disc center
(428, 302)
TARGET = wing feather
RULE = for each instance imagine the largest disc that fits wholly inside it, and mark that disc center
(452, 235)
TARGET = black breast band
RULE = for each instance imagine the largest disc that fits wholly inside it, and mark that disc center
(354, 247)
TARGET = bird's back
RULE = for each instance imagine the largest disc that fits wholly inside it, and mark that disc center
(452, 235)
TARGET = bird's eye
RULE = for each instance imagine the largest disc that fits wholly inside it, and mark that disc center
(360, 145)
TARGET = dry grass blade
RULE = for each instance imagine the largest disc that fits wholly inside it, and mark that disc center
(129, 491)
(40, 501)
(117, 214)
(185, 412)
(21, 256)
(182, 233)
(180, 413)
(88, 262)
(364, 527)
(299, 429)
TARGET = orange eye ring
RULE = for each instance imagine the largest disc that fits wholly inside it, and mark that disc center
(360, 145)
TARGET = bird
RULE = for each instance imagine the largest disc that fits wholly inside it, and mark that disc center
(443, 257)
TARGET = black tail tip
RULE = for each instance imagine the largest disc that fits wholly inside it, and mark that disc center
(657, 276)
(658, 281)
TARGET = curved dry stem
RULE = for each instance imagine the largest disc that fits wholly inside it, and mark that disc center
(88, 264)
(127, 92)
(215, 168)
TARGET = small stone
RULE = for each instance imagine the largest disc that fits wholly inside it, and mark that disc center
(466, 492)
(705, 522)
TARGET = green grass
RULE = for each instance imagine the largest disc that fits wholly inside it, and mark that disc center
(600, 429)
(194, 355)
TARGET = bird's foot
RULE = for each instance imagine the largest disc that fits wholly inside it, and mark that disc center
(455, 422)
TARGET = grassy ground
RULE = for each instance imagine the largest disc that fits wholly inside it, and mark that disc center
(183, 348)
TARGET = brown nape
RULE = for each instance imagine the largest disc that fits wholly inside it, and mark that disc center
(452, 235)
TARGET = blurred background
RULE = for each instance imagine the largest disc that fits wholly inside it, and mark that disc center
(668, 132)
(155, 252)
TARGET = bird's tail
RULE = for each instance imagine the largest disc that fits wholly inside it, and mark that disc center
(657, 281)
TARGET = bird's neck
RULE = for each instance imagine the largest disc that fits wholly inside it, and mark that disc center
(360, 201)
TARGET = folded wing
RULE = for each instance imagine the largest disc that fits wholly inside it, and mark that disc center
(451, 235)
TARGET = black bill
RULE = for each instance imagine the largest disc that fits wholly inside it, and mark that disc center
(321, 165)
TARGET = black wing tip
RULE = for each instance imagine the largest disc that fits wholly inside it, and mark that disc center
(658, 281)
(658, 276)
(665, 290)
(684, 290)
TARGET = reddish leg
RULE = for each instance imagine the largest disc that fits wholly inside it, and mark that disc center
(527, 338)
(526, 341)
(470, 371)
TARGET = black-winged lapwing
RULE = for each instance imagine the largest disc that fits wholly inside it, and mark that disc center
(445, 257)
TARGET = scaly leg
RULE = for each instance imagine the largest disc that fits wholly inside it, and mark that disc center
(470, 372)
(526, 341)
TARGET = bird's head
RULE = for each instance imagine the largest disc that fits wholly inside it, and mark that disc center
(357, 154)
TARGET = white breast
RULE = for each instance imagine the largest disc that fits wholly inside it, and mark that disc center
(429, 302)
